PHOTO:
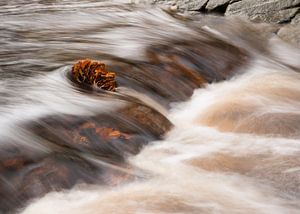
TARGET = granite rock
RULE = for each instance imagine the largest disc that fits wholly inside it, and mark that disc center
(281, 16)
(276, 11)
(191, 4)
(213, 4)
(183, 5)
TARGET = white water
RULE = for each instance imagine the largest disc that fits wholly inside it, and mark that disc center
(235, 144)
(199, 169)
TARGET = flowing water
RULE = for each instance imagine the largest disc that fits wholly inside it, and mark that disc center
(208, 109)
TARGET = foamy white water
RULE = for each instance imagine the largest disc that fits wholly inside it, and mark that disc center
(212, 169)
(234, 147)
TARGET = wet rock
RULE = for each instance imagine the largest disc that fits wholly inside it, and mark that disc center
(13, 159)
(15, 156)
(148, 119)
(93, 73)
(290, 33)
(8, 195)
(76, 150)
(264, 10)
(186, 65)
(109, 137)
(90, 137)
(55, 172)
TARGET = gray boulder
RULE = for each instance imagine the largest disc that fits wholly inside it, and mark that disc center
(273, 11)
(280, 16)
(186, 5)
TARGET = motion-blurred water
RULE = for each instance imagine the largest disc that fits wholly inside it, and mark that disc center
(234, 146)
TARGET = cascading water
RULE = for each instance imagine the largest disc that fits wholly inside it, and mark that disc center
(205, 119)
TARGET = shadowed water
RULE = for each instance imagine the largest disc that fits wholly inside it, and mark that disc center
(205, 118)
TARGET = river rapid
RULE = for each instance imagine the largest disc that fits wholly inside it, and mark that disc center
(227, 136)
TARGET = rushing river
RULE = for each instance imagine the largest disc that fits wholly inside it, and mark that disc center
(205, 119)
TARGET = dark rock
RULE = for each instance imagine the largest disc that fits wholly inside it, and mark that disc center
(76, 149)
(264, 10)
(107, 136)
(186, 65)
(147, 118)
(56, 171)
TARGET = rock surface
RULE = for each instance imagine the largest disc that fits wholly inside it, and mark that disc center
(187, 64)
(189, 5)
(265, 10)
(213, 4)
(280, 16)
(74, 146)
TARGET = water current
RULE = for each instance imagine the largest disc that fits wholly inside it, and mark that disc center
(205, 118)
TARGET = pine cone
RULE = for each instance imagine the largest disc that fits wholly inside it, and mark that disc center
(94, 73)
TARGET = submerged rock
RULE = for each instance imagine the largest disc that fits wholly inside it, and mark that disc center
(43, 172)
(107, 136)
(189, 5)
(172, 71)
(76, 149)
